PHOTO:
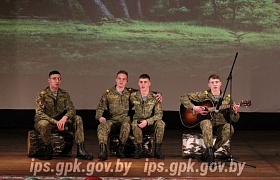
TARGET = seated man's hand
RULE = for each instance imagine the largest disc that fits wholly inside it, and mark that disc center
(61, 123)
(143, 124)
(235, 107)
(159, 97)
(200, 109)
(102, 119)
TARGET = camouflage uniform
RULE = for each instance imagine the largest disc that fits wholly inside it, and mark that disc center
(49, 110)
(149, 110)
(118, 106)
(217, 124)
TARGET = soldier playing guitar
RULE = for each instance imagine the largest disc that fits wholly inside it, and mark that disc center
(214, 122)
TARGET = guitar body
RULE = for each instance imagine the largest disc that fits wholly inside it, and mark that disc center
(191, 119)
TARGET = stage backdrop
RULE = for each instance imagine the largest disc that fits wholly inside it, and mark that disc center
(178, 43)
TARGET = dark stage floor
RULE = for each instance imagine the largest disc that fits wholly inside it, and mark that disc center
(257, 148)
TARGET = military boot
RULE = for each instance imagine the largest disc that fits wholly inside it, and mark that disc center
(157, 153)
(103, 152)
(138, 153)
(81, 152)
(47, 153)
(208, 156)
(120, 151)
(214, 149)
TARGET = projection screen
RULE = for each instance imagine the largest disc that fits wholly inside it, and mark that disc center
(178, 56)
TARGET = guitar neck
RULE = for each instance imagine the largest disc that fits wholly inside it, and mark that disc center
(223, 106)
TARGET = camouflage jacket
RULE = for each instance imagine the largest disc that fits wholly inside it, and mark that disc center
(189, 100)
(118, 105)
(53, 109)
(150, 110)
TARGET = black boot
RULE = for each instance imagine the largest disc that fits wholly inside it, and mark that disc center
(120, 151)
(103, 152)
(46, 153)
(138, 153)
(214, 150)
(81, 152)
(146, 152)
(157, 153)
(208, 156)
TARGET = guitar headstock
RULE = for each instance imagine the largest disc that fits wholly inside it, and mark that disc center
(245, 103)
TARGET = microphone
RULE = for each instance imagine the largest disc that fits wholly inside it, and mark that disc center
(139, 121)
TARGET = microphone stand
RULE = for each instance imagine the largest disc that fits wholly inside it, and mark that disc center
(229, 79)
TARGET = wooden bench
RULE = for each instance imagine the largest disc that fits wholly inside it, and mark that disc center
(62, 143)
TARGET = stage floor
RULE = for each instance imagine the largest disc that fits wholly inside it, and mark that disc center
(255, 147)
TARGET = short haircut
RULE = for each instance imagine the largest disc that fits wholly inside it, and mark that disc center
(122, 72)
(144, 76)
(214, 76)
(54, 72)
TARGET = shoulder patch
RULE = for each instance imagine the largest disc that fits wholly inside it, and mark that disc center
(107, 91)
(228, 95)
(42, 92)
(154, 92)
(206, 92)
(62, 90)
(129, 89)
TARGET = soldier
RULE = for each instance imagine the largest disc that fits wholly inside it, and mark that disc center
(116, 100)
(214, 122)
(147, 117)
(54, 109)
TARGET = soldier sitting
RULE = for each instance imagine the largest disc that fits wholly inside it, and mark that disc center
(147, 117)
(54, 109)
(212, 123)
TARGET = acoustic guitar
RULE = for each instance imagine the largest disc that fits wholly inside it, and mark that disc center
(191, 119)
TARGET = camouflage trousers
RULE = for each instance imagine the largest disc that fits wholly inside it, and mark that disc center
(221, 131)
(104, 129)
(157, 128)
(75, 124)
